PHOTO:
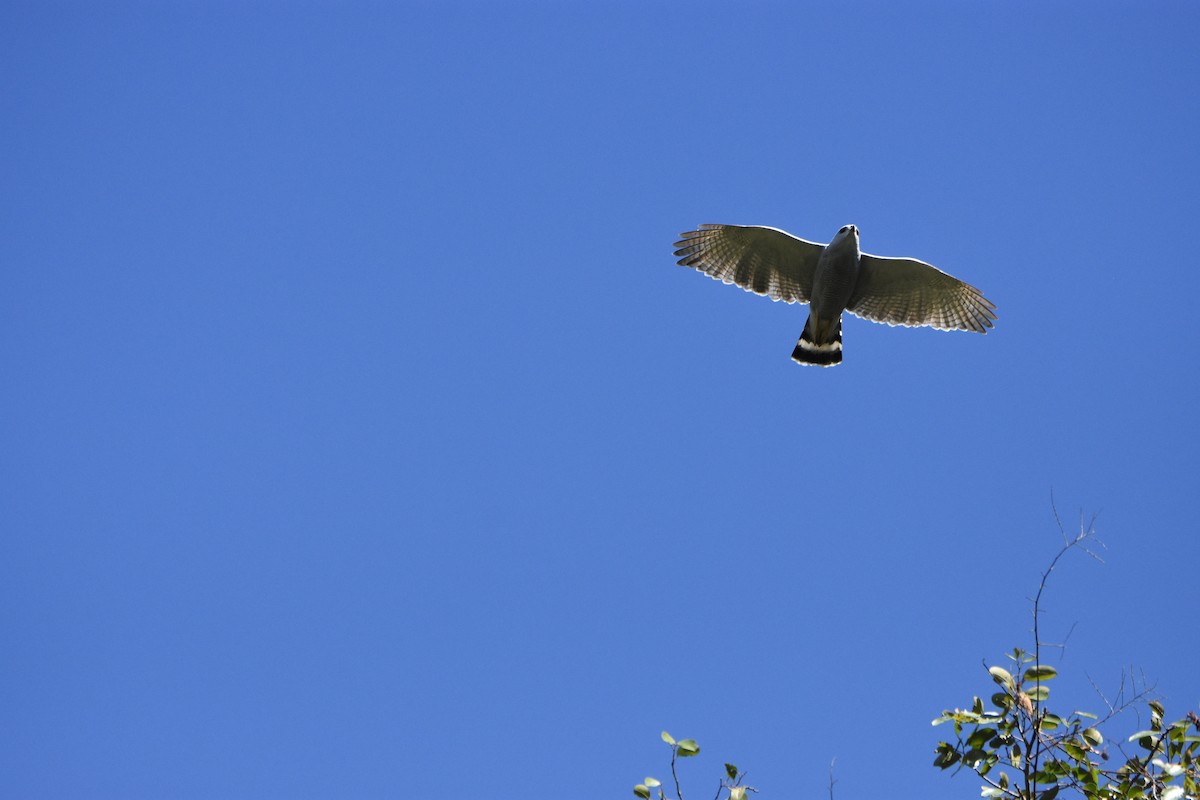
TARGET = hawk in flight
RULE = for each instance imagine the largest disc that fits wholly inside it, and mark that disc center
(834, 277)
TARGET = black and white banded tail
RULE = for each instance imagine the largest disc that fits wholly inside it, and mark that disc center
(823, 351)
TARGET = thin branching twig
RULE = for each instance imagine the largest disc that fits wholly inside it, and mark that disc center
(674, 774)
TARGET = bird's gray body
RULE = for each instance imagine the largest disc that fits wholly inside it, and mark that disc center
(836, 274)
(834, 278)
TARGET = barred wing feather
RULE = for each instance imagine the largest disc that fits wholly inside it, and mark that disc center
(904, 291)
(759, 259)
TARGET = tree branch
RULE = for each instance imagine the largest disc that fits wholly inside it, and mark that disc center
(674, 774)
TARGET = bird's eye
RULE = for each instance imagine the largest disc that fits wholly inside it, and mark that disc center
(844, 229)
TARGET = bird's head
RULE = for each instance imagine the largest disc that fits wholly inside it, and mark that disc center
(846, 236)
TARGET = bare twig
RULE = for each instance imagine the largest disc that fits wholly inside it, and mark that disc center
(1057, 519)
(1063, 644)
(1100, 693)
(1124, 698)
(1032, 725)
(674, 774)
(1036, 743)
(831, 780)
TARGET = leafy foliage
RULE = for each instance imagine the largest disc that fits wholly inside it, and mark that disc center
(1048, 753)
(1022, 750)
(733, 783)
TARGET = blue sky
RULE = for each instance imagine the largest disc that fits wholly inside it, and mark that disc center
(361, 437)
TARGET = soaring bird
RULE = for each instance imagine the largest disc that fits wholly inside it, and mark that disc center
(834, 277)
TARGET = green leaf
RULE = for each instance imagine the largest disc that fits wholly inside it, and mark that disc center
(737, 793)
(1002, 700)
(1038, 693)
(947, 756)
(1040, 673)
(980, 737)
(688, 747)
(653, 782)
(1140, 735)
(973, 757)
(1049, 794)
(1157, 708)
(1001, 676)
(958, 716)
(1074, 751)
(1173, 770)
(731, 771)
(1051, 721)
(642, 791)
(666, 737)
(1093, 737)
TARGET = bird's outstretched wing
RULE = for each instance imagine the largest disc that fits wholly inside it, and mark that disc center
(763, 260)
(904, 291)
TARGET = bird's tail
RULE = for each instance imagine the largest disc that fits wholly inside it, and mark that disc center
(819, 348)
